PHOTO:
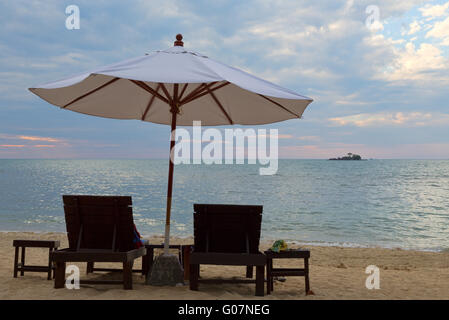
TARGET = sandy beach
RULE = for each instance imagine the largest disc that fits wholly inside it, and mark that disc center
(336, 273)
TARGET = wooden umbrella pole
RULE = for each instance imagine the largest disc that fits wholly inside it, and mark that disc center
(174, 112)
(174, 109)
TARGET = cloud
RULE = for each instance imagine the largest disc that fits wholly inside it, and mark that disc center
(351, 99)
(267, 136)
(414, 27)
(410, 119)
(26, 146)
(433, 11)
(309, 138)
(440, 30)
(162, 8)
(30, 138)
(59, 144)
(324, 44)
(423, 63)
(34, 138)
(12, 145)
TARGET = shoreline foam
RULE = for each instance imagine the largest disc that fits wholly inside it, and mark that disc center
(269, 240)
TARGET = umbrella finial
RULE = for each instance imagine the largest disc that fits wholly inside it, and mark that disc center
(178, 41)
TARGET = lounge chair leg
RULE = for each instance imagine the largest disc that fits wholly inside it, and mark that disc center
(90, 267)
(249, 271)
(60, 275)
(186, 261)
(260, 273)
(149, 260)
(128, 275)
(194, 273)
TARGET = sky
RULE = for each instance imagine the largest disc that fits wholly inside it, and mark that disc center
(378, 71)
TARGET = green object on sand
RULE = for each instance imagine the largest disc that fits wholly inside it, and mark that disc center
(279, 245)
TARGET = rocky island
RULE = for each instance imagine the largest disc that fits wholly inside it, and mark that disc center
(350, 156)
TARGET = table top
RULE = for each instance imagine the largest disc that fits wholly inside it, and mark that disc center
(36, 243)
(289, 253)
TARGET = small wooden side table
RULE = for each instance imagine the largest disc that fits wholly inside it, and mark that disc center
(286, 272)
(20, 266)
(183, 254)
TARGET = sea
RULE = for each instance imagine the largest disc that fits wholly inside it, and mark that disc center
(374, 203)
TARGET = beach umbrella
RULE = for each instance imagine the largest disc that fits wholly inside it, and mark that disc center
(174, 87)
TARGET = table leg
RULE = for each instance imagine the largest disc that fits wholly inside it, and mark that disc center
(49, 264)
(53, 266)
(269, 276)
(22, 272)
(16, 261)
(306, 271)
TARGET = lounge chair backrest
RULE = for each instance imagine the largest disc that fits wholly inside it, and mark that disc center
(227, 228)
(99, 222)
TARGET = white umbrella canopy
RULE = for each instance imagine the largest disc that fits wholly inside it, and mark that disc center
(175, 87)
(209, 91)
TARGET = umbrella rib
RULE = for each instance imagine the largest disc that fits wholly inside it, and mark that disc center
(194, 91)
(169, 98)
(219, 105)
(90, 92)
(199, 92)
(147, 88)
(205, 91)
(279, 105)
(150, 103)
(194, 95)
(182, 91)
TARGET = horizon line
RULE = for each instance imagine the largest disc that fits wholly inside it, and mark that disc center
(222, 159)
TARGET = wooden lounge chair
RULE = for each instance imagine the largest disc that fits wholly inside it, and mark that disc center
(227, 235)
(99, 229)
